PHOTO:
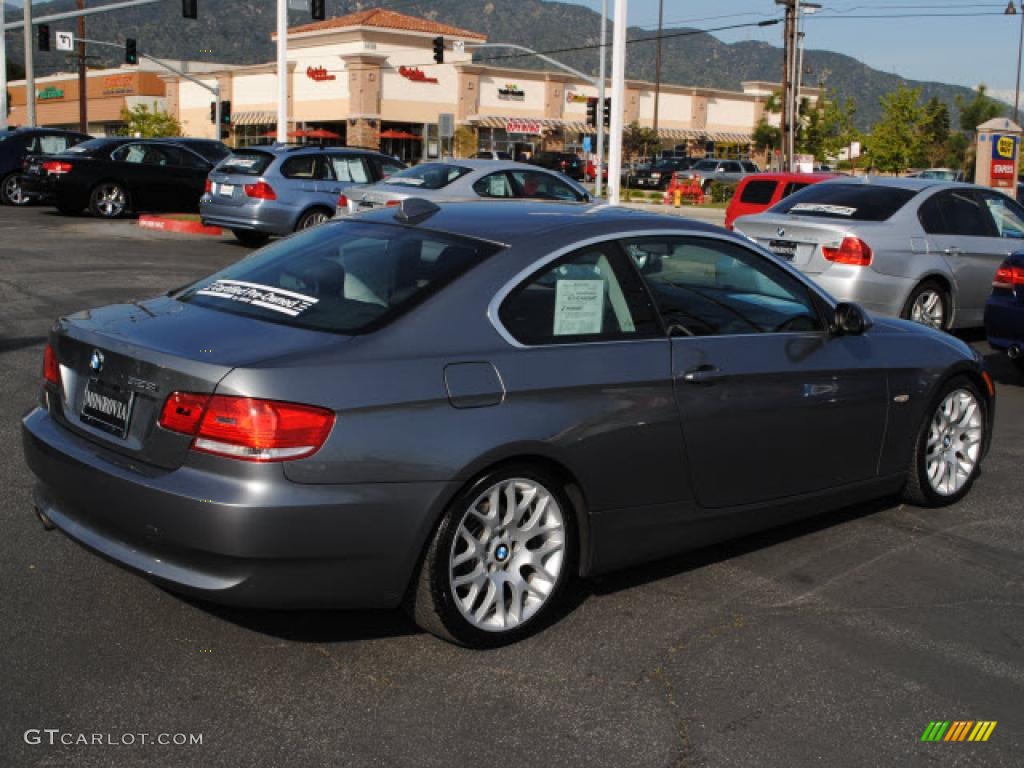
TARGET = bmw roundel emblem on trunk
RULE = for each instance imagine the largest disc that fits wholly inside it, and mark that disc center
(781, 231)
(96, 361)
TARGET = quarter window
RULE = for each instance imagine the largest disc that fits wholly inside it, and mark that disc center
(304, 167)
(349, 169)
(717, 288)
(52, 144)
(1007, 215)
(590, 295)
(758, 192)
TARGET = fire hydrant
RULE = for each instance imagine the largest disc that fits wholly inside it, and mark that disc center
(677, 197)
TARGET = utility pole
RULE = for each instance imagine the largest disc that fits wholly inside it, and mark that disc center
(83, 97)
(657, 63)
(784, 123)
(599, 165)
(30, 75)
(618, 101)
(282, 73)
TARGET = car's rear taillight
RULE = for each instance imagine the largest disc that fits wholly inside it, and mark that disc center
(246, 428)
(1009, 276)
(207, 187)
(392, 203)
(342, 201)
(260, 190)
(56, 167)
(51, 369)
(852, 250)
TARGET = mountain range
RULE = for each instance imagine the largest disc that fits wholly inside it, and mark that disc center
(239, 32)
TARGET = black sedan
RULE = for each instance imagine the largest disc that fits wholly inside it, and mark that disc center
(658, 175)
(116, 176)
(17, 144)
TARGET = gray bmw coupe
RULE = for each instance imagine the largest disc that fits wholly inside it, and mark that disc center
(460, 408)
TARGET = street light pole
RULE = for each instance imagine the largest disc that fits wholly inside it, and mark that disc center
(282, 72)
(618, 101)
(1011, 10)
(599, 165)
(30, 75)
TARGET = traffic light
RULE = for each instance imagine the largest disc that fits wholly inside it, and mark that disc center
(190, 9)
(607, 115)
(131, 51)
(44, 37)
(439, 50)
(592, 112)
(213, 112)
(225, 112)
(318, 9)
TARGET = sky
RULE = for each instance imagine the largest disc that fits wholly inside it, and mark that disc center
(965, 42)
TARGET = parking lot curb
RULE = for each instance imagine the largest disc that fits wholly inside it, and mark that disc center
(164, 224)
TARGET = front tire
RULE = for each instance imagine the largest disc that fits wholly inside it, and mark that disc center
(949, 446)
(499, 562)
(10, 191)
(929, 304)
(108, 200)
(313, 218)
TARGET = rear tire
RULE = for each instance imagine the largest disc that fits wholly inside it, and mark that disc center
(108, 200)
(313, 218)
(10, 191)
(929, 304)
(250, 238)
(499, 563)
(948, 450)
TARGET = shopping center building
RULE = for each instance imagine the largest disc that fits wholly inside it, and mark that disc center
(369, 78)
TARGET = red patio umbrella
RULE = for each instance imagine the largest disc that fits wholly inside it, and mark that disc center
(392, 134)
(318, 133)
(291, 134)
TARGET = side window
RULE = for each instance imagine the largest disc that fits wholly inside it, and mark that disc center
(301, 167)
(791, 187)
(590, 295)
(758, 192)
(494, 185)
(130, 153)
(1007, 215)
(31, 144)
(385, 168)
(156, 156)
(349, 169)
(543, 186)
(185, 158)
(52, 144)
(962, 213)
(717, 288)
(733, 168)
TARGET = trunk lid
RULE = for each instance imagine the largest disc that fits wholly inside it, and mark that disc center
(119, 363)
(796, 239)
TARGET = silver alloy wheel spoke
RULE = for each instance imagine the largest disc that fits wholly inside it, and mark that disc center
(111, 200)
(954, 442)
(12, 190)
(507, 555)
(928, 310)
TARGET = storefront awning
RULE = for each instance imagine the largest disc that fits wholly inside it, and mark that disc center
(254, 118)
(695, 134)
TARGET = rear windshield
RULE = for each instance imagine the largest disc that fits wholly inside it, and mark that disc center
(429, 175)
(90, 146)
(854, 202)
(247, 162)
(758, 192)
(213, 151)
(345, 277)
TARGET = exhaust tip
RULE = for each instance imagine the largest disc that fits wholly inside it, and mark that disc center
(47, 522)
(1015, 351)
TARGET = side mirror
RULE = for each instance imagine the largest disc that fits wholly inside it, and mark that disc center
(850, 320)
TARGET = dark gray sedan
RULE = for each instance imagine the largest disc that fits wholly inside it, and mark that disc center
(460, 408)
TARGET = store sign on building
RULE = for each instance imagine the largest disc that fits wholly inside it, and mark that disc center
(575, 98)
(319, 74)
(416, 75)
(1004, 161)
(118, 84)
(515, 125)
(511, 92)
(49, 94)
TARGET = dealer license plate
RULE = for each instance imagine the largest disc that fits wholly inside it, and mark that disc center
(107, 408)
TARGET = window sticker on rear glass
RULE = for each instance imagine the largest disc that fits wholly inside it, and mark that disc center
(266, 296)
(579, 307)
(835, 210)
(242, 161)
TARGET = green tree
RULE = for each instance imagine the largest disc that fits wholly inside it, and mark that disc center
(638, 141)
(980, 110)
(837, 128)
(935, 131)
(958, 153)
(148, 123)
(465, 141)
(895, 141)
(766, 136)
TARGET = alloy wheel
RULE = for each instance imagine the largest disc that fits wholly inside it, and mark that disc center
(508, 554)
(12, 191)
(110, 201)
(954, 442)
(313, 219)
(929, 309)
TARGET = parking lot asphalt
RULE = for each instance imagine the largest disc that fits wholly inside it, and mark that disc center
(832, 642)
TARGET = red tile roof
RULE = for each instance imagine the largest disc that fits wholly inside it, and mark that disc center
(379, 17)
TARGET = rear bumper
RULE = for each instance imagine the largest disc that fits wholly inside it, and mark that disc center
(258, 540)
(271, 217)
(1004, 322)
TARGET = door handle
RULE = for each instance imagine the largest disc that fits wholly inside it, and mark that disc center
(705, 374)
(952, 251)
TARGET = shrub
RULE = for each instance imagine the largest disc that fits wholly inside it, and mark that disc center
(721, 193)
